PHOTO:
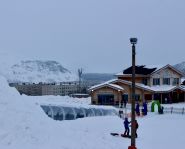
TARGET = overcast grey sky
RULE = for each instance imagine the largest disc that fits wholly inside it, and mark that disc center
(93, 34)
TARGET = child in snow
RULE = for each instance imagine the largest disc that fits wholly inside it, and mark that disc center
(126, 124)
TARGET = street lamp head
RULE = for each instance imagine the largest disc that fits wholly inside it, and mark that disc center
(133, 40)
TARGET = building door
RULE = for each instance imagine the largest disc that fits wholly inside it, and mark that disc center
(157, 96)
(148, 97)
(181, 97)
(174, 97)
(124, 98)
(106, 99)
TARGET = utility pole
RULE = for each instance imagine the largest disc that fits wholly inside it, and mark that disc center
(133, 41)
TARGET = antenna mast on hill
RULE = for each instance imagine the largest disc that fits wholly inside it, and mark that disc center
(80, 72)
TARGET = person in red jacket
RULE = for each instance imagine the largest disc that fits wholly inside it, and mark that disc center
(136, 127)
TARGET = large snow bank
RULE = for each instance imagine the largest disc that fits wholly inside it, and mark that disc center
(21, 121)
(24, 125)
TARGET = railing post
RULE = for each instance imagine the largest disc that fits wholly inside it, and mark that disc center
(182, 111)
(171, 110)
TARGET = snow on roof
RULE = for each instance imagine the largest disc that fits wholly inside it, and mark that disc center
(182, 87)
(107, 83)
(158, 66)
(182, 80)
(161, 88)
(157, 88)
(119, 73)
(138, 85)
(117, 86)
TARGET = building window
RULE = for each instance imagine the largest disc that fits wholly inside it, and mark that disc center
(137, 97)
(166, 81)
(144, 81)
(106, 99)
(176, 81)
(156, 81)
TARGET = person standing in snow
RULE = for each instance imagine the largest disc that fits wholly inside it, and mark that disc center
(136, 127)
(137, 109)
(145, 108)
(126, 125)
(125, 102)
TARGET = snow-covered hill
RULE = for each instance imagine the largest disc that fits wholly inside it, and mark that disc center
(180, 66)
(38, 71)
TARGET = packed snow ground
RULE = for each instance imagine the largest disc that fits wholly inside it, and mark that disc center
(24, 125)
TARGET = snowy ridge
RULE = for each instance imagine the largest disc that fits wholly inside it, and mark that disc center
(38, 71)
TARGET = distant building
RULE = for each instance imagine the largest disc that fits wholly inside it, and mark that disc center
(28, 89)
(62, 88)
(156, 83)
(79, 95)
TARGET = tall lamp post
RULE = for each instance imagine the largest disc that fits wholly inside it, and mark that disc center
(133, 41)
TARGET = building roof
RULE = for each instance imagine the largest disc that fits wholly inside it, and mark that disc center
(138, 85)
(142, 70)
(107, 84)
(173, 68)
(160, 88)
(183, 81)
(147, 70)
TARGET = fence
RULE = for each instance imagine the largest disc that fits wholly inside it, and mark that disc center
(174, 110)
(166, 110)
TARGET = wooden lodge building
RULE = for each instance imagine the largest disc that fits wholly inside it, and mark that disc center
(162, 83)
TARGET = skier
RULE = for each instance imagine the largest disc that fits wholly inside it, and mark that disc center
(126, 124)
(121, 113)
(137, 109)
(136, 127)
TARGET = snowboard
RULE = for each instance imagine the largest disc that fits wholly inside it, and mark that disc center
(121, 135)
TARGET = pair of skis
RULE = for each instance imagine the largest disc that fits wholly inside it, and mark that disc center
(121, 135)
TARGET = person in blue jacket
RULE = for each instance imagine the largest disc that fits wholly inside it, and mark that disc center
(126, 124)
(137, 109)
(145, 108)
